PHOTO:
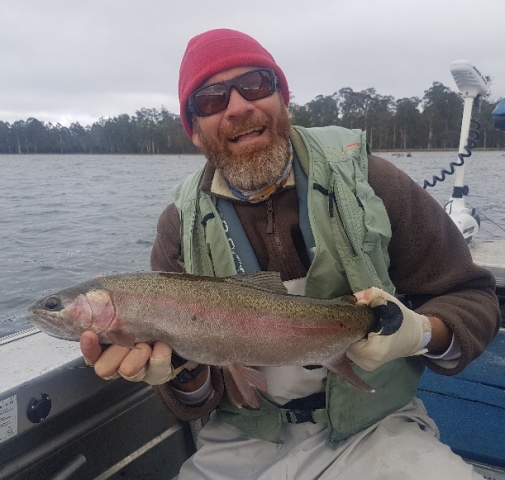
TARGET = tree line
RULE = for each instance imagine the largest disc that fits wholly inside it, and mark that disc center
(430, 122)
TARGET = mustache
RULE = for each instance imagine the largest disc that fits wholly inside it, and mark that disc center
(240, 127)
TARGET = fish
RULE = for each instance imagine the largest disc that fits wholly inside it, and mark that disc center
(237, 323)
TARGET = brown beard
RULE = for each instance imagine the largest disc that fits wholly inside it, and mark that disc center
(257, 166)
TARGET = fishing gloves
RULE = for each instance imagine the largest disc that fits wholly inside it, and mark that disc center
(400, 332)
(160, 370)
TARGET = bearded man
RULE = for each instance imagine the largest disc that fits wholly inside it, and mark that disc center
(316, 206)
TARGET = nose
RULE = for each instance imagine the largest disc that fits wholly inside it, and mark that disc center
(237, 105)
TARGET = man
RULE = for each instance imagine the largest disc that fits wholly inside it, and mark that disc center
(332, 219)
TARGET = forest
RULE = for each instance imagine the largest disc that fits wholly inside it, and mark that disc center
(429, 122)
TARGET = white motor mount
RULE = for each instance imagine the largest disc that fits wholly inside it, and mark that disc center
(471, 83)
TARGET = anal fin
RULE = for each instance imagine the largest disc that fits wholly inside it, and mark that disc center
(342, 367)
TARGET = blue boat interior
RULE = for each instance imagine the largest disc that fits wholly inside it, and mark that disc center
(469, 408)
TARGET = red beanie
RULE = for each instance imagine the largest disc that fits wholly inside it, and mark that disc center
(215, 51)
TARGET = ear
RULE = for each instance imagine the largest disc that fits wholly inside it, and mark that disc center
(195, 138)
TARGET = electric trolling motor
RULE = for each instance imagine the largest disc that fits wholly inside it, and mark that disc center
(472, 85)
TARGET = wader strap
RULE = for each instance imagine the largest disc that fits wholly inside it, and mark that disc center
(319, 415)
(306, 409)
(243, 254)
(301, 183)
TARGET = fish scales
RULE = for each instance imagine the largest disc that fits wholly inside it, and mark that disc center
(227, 319)
(213, 320)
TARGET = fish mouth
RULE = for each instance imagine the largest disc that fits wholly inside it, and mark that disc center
(44, 322)
(251, 133)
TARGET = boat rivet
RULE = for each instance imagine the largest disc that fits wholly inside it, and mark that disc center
(39, 408)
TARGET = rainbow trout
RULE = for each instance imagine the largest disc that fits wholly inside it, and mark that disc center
(236, 322)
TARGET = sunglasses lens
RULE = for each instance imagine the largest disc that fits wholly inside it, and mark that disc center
(256, 85)
(252, 86)
(211, 99)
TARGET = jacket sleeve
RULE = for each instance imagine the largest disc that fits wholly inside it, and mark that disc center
(167, 245)
(432, 266)
(185, 412)
(165, 257)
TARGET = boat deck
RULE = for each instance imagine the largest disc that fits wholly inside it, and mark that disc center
(89, 415)
(469, 408)
(492, 256)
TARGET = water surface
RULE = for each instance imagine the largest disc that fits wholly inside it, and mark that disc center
(67, 218)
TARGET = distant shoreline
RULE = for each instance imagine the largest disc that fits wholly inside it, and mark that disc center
(192, 154)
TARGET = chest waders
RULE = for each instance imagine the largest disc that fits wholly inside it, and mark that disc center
(346, 231)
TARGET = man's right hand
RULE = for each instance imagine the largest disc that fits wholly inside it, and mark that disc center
(141, 363)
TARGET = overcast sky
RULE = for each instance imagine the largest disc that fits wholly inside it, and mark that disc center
(77, 60)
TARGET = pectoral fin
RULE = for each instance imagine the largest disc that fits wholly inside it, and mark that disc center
(241, 384)
(342, 367)
(120, 338)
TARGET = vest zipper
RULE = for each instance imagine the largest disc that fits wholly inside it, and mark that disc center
(270, 216)
(272, 230)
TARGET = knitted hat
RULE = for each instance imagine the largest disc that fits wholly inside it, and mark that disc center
(215, 51)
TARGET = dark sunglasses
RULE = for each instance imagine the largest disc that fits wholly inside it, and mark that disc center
(214, 98)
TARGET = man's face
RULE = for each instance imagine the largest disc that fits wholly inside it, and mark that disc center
(249, 140)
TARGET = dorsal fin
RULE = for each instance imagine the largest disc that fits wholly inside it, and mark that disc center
(263, 281)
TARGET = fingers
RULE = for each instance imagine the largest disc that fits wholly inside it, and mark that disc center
(161, 350)
(90, 347)
(141, 363)
(135, 359)
(157, 369)
(373, 297)
(109, 362)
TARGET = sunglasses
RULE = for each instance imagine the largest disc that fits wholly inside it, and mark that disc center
(213, 98)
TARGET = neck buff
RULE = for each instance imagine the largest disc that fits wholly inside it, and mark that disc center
(257, 196)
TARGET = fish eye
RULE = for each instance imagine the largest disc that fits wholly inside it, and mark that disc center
(52, 303)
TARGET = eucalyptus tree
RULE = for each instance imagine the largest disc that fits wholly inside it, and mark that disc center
(80, 138)
(18, 134)
(489, 137)
(174, 137)
(300, 115)
(97, 136)
(62, 138)
(368, 111)
(352, 106)
(407, 123)
(147, 120)
(121, 131)
(442, 110)
(323, 110)
(36, 136)
(5, 138)
(379, 115)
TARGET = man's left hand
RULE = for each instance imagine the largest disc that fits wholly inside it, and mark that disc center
(399, 331)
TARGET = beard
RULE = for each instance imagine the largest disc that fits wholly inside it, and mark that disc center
(255, 167)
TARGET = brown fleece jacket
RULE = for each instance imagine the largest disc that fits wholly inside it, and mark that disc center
(430, 262)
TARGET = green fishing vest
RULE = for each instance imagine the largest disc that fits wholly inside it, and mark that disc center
(351, 231)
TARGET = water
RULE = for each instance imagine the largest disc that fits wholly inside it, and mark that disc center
(65, 219)
(484, 174)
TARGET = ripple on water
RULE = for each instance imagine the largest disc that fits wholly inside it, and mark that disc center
(98, 215)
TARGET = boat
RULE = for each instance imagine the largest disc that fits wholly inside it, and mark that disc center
(58, 420)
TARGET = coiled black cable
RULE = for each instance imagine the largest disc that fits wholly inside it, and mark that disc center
(471, 143)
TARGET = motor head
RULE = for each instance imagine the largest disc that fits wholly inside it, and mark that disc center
(468, 79)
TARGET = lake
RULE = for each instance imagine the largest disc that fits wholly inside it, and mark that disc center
(67, 218)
